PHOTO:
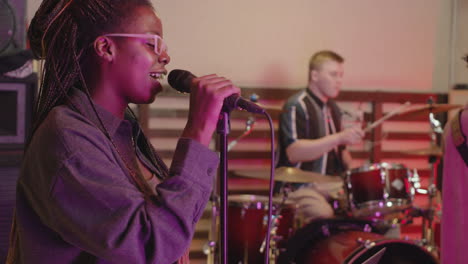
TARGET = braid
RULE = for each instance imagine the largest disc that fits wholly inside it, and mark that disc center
(157, 161)
(62, 33)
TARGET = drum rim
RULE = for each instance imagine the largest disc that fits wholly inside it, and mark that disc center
(377, 166)
(301, 240)
(359, 251)
(398, 204)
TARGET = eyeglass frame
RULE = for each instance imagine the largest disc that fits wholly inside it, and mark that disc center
(144, 36)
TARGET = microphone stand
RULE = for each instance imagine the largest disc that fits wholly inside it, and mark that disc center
(223, 128)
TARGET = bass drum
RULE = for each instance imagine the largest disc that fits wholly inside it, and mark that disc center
(334, 241)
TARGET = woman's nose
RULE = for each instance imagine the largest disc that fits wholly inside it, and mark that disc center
(164, 58)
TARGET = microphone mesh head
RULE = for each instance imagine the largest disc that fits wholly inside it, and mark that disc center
(180, 80)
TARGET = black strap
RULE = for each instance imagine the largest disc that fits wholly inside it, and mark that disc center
(459, 139)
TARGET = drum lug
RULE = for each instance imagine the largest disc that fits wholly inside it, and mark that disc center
(366, 243)
(367, 228)
(209, 248)
(415, 180)
(325, 230)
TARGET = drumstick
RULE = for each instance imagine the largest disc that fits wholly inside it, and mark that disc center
(387, 116)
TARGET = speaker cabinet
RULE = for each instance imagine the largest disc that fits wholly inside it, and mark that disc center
(19, 9)
(16, 107)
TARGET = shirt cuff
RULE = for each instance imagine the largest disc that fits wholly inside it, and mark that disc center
(195, 162)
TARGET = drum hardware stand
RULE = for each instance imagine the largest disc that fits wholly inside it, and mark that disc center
(209, 249)
(412, 212)
(286, 189)
(416, 183)
(428, 217)
(274, 250)
(248, 125)
(248, 129)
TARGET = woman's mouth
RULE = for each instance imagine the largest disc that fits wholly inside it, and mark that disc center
(157, 75)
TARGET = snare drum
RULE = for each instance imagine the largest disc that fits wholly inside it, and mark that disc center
(247, 224)
(379, 189)
(346, 241)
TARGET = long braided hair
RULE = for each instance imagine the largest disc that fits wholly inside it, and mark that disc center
(62, 33)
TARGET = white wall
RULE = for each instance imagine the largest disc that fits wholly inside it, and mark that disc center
(460, 48)
(396, 45)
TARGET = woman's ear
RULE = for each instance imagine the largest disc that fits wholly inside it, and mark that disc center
(104, 48)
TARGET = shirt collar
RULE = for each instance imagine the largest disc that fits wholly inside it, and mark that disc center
(79, 100)
(315, 98)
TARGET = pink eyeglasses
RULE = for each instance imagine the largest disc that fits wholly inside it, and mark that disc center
(158, 43)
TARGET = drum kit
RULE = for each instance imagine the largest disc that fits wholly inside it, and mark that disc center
(375, 199)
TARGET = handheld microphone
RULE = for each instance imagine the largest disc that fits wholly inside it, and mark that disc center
(181, 80)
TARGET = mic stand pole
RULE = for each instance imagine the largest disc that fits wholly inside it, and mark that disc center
(223, 131)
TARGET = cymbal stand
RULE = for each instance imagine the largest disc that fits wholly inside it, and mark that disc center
(248, 125)
(428, 219)
(248, 129)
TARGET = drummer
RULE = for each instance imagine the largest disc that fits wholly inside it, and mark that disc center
(311, 137)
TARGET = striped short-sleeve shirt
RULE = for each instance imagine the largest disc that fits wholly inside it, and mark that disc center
(303, 118)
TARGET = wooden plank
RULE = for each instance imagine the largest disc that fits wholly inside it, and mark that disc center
(273, 93)
(274, 113)
(252, 154)
(265, 134)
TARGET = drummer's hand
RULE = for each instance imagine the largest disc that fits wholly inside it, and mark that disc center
(206, 99)
(330, 189)
(351, 135)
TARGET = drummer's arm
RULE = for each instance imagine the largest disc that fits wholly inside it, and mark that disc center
(311, 149)
(347, 159)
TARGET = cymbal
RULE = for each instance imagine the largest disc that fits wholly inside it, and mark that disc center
(429, 108)
(431, 151)
(289, 174)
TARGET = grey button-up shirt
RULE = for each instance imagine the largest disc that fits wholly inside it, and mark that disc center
(77, 203)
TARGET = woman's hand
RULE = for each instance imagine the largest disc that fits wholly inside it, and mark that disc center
(207, 94)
